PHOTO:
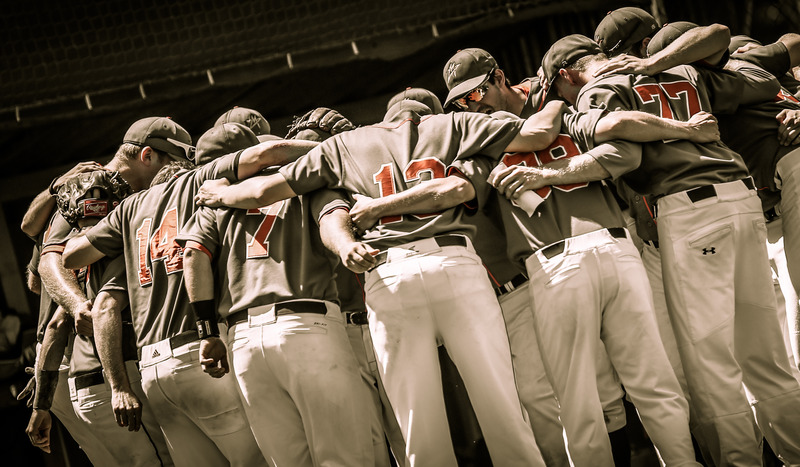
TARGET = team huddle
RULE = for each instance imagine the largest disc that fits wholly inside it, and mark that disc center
(591, 234)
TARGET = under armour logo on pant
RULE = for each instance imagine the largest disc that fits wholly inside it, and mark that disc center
(709, 251)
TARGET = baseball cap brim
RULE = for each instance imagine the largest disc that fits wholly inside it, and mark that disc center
(465, 87)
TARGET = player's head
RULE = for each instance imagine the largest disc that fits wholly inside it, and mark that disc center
(475, 82)
(667, 35)
(566, 63)
(248, 117)
(149, 144)
(91, 196)
(417, 100)
(626, 31)
(223, 139)
(740, 41)
(172, 170)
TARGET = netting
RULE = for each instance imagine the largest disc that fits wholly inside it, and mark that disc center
(54, 49)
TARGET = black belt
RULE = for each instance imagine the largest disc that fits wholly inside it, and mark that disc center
(514, 283)
(708, 191)
(558, 247)
(441, 240)
(89, 379)
(285, 308)
(356, 317)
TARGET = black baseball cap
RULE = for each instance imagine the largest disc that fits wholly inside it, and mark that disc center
(162, 134)
(223, 139)
(565, 52)
(622, 28)
(465, 71)
(247, 117)
(667, 35)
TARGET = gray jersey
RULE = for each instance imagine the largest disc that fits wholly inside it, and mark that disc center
(144, 227)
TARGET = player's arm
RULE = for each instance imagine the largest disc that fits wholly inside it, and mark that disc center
(271, 153)
(54, 344)
(38, 214)
(540, 129)
(107, 314)
(704, 43)
(643, 127)
(248, 194)
(792, 43)
(514, 180)
(337, 232)
(431, 196)
(62, 285)
(199, 279)
(79, 252)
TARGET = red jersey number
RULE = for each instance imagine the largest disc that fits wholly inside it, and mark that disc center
(384, 178)
(259, 245)
(162, 246)
(562, 147)
(679, 95)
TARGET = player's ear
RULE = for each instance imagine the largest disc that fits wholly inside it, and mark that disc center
(147, 156)
(643, 49)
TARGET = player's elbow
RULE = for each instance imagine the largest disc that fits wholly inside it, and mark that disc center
(458, 191)
(611, 126)
(28, 228)
(70, 256)
(720, 33)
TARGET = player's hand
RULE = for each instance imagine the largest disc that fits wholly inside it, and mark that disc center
(127, 409)
(38, 429)
(515, 180)
(624, 64)
(214, 357)
(210, 193)
(30, 389)
(789, 129)
(703, 128)
(83, 319)
(82, 167)
(362, 214)
(329, 120)
(358, 257)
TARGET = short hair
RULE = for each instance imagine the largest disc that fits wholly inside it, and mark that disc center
(131, 151)
(582, 63)
(169, 171)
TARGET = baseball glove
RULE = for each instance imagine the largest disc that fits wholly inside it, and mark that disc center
(324, 122)
(91, 194)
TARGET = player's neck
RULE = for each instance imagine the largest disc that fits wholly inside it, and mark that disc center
(126, 171)
(516, 100)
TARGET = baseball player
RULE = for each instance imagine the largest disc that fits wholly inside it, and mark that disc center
(298, 377)
(83, 201)
(205, 426)
(428, 281)
(710, 229)
(576, 214)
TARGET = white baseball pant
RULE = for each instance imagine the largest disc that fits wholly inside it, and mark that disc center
(202, 418)
(437, 288)
(723, 311)
(387, 427)
(594, 285)
(301, 387)
(92, 404)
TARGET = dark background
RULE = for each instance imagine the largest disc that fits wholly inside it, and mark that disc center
(74, 75)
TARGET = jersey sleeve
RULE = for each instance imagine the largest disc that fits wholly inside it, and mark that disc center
(114, 276)
(57, 234)
(618, 157)
(774, 58)
(325, 201)
(475, 170)
(33, 264)
(581, 126)
(728, 89)
(484, 135)
(223, 167)
(321, 167)
(202, 229)
(107, 235)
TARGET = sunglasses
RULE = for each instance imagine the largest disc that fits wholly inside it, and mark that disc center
(476, 95)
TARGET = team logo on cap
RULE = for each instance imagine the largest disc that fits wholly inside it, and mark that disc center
(451, 69)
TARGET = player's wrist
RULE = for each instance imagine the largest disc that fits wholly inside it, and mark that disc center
(206, 316)
(46, 382)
